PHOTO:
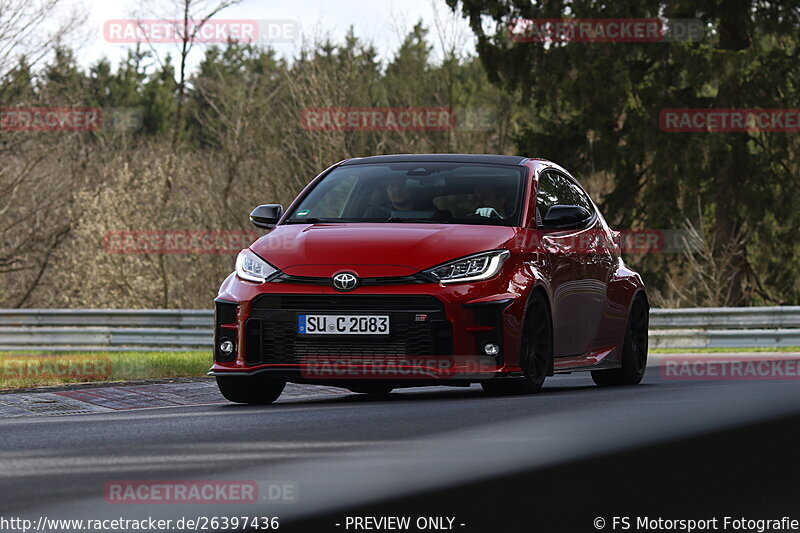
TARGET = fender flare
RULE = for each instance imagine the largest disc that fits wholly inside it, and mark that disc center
(539, 287)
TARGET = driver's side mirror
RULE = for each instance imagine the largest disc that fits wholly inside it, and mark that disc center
(266, 216)
(566, 216)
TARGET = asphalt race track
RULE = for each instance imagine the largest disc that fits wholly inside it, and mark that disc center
(548, 462)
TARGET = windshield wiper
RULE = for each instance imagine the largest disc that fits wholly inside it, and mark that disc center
(313, 220)
(404, 219)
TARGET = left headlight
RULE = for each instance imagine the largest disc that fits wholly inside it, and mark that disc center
(252, 268)
(476, 267)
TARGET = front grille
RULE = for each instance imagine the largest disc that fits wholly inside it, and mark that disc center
(272, 338)
(306, 349)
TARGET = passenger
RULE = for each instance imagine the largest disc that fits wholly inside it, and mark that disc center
(490, 201)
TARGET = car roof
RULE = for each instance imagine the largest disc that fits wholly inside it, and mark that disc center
(510, 160)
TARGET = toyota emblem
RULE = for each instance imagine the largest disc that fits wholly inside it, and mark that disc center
(345, 281)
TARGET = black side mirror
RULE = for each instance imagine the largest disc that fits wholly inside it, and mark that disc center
(566, 216)
(266, 216)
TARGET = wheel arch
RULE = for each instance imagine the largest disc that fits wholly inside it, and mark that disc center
(641, 293)
(540, 289)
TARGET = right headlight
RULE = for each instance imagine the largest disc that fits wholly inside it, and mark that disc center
(252, 268)
(476, 267)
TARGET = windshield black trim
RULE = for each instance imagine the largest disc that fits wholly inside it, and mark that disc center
(513, 223)
(491, 159)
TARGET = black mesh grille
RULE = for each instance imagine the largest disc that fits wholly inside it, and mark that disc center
(310, 348)
(272, 336)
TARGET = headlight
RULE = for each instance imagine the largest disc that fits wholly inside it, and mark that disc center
(252, 268)
(473, 268)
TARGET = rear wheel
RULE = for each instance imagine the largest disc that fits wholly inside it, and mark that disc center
(536, 353)
(634, 351)
(250, 389)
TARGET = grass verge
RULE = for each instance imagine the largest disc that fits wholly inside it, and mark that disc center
(36, 369)
(728, 350)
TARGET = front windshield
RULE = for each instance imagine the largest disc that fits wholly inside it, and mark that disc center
(453, 193)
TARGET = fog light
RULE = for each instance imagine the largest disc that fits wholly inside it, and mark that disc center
(491, 349)
(226, 347)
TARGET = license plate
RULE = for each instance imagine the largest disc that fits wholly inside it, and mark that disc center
(343, 324)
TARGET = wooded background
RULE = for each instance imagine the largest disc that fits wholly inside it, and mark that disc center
(204, 147)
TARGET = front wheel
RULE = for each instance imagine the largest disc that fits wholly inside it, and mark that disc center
(250, 389)
(634, 351)
(536, 353)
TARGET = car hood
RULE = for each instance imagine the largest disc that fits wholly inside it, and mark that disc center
(374, 249)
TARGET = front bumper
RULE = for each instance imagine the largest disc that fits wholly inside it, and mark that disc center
(437, 331)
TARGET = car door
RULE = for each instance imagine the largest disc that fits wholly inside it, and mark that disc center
(579, 261)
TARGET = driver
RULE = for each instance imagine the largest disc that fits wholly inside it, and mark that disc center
(400, 195)
(407, 200)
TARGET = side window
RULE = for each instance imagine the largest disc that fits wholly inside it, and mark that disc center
(574, 195)
(546, 197)
(557, 189)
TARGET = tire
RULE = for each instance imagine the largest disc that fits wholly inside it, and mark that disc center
(634, 351)
(250, 389)
(377, 389)
(536, 353)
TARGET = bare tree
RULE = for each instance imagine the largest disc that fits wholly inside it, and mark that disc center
(192, 15)
(709, 278)
(27, 29)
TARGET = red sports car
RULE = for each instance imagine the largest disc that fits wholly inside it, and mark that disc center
(410, 270)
